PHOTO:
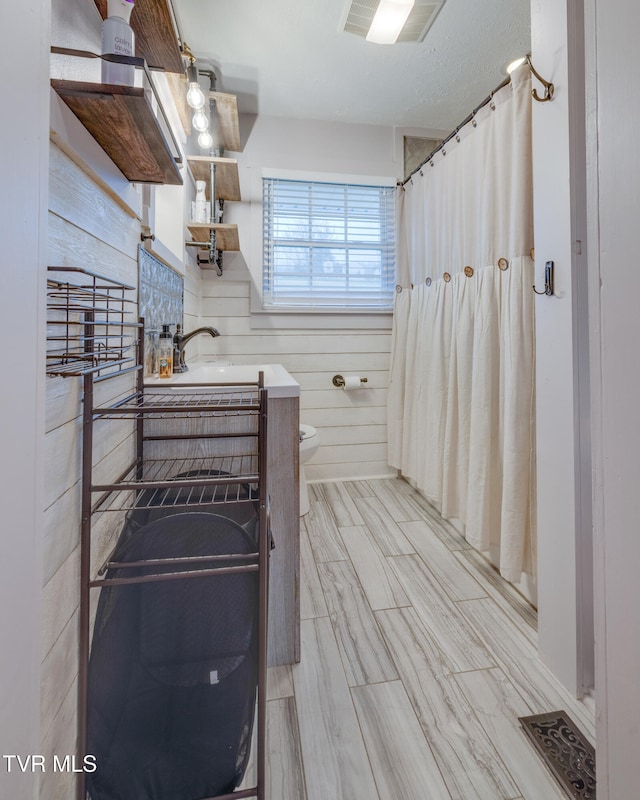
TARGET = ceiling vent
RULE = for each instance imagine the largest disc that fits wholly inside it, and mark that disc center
(359, 15)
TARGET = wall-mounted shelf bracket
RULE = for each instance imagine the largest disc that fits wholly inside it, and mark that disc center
(210, 253)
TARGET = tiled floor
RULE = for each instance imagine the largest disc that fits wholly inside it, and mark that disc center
(417, 660)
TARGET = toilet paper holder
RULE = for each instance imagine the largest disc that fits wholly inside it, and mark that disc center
(338, 381)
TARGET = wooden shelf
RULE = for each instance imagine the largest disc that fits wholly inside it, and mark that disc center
(227, 126)
(227, 181)
(156, 35)
(226, 235)
(121, 120)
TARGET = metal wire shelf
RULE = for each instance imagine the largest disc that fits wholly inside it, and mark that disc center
(186, 402)
(90, 323)
(170, 483)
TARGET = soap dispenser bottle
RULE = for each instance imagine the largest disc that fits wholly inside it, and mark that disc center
(177, 366)
(118, 39)
(165, 353)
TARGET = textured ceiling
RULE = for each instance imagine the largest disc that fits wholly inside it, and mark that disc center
(290, 58)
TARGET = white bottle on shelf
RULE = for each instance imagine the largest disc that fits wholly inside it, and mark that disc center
(118, 39)
(200, 207)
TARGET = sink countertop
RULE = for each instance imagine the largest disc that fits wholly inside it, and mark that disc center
(277, 380)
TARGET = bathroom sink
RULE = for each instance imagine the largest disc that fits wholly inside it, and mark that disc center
(277, 380)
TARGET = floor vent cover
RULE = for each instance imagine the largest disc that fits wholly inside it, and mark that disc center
(565, 751)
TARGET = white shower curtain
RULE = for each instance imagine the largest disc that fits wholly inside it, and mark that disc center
(461, 392)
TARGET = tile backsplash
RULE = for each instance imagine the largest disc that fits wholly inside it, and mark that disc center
(161, 302)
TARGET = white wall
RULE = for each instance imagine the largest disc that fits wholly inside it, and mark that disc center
(87, 228)
(613, 73)
(312, 348)
(565, 593)
(94, 222)
(24, 148)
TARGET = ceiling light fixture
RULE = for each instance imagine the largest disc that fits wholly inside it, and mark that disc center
(389, 21)
(195, 95)
(197, 99)
(357, 19)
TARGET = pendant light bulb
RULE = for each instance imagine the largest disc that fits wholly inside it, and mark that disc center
(205, 140)
(195, 95)
(200, 121)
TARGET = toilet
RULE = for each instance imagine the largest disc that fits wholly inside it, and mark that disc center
(309, 444)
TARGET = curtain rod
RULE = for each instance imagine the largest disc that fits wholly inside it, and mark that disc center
(454, 132)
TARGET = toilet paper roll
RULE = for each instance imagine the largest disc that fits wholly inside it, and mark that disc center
(352, 382)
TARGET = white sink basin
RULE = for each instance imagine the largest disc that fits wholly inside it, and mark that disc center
(277, 380)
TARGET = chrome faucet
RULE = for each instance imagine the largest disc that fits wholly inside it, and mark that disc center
(180, 340)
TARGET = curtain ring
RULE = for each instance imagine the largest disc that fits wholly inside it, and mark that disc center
(427, 281)
(446, 277)
(398, 289)
(474, 121)
(431, 163)
(532, 254)
(503, 264)
(411, 285)
(421, 173)
(458, 138)
(444, 152)
(468, 271)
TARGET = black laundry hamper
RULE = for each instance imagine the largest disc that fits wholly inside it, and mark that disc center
(173, 665)
(238, 502)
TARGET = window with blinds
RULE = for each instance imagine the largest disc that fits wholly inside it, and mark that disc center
(328, 246)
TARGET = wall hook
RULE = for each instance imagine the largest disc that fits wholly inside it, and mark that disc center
(549, 88)
(548, 280)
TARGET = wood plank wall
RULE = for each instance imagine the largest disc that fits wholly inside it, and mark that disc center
(86, 228)
(352, 424)
(192, 281)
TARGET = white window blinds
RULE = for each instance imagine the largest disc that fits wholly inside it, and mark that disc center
(328, 245)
